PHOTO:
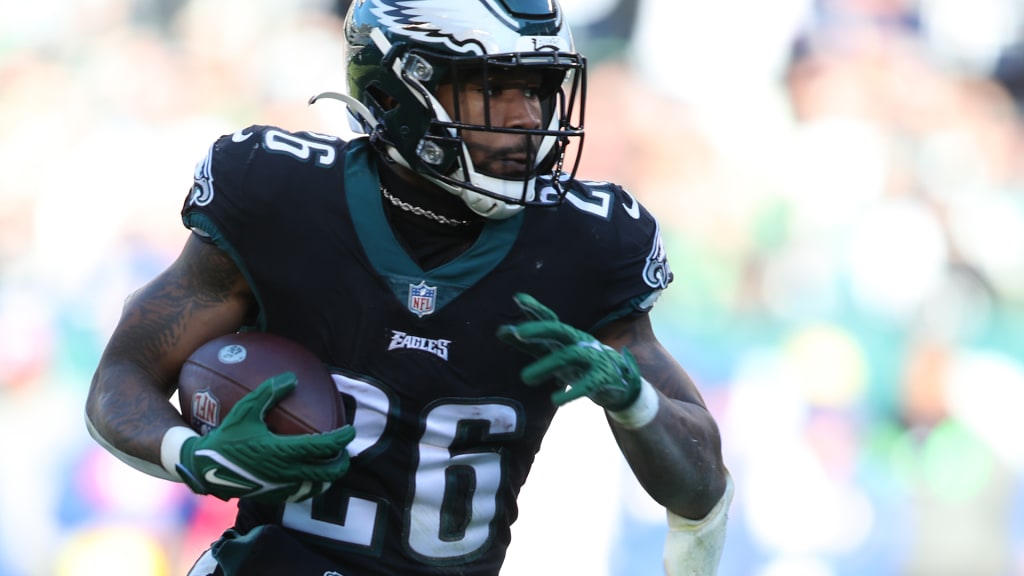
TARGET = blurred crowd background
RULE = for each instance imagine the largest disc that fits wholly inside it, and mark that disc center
(840, 184)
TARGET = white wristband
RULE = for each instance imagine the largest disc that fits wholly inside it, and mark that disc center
(695, 546)
(641, 411)
(170, 448)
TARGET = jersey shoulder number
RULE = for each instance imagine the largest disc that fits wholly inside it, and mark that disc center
(600, 199)
(259, 155)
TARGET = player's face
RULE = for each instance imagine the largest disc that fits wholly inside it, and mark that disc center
(512, 100)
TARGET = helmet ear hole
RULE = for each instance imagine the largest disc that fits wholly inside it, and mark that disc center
(382, 99)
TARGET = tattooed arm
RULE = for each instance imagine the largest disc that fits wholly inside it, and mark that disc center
(676, 456)
(200, 296)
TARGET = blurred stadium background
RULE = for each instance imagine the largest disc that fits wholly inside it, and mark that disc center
(840, 182)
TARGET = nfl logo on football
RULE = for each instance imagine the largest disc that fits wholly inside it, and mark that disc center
(205, 411)
(421, 298)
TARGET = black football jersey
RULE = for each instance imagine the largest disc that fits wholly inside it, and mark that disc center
(446, 430)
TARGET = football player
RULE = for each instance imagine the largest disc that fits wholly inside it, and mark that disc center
(461, 283)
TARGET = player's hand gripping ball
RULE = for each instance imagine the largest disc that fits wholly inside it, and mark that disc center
(261, 439)
(584, 365)
(219, 373)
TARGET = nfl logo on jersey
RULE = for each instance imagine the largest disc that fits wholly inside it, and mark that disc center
(421, 298)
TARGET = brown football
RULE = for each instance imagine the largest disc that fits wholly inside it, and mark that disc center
(219, 373)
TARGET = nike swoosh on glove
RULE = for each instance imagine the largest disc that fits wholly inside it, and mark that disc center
(242, 458)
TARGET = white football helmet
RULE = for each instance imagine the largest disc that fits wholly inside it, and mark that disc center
(400, 51)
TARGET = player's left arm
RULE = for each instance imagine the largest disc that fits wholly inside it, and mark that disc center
(669, 438)
(657, 415)
(673, 446)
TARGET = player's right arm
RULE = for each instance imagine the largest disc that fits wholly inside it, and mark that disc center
(200, 296)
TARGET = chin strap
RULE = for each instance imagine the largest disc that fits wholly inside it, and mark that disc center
(363, 121)
(694, 547)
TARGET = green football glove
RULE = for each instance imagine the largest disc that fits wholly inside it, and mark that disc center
(242, 458)
(584, 365)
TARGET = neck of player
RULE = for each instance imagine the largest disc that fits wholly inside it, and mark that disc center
(407, 192)
(433, 225)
